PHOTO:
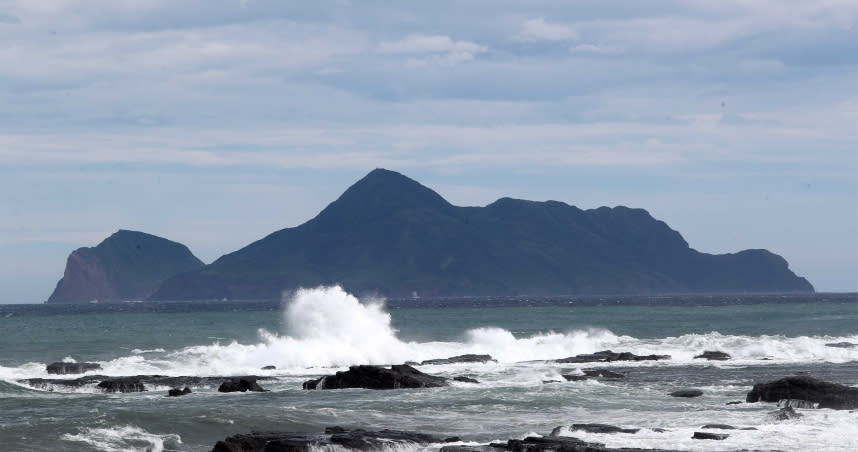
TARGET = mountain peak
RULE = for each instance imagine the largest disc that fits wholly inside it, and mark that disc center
(382, 193)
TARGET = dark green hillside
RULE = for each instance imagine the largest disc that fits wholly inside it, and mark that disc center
(390, 235)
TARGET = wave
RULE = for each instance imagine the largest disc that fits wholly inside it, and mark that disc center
(123, 438)
(326, 327)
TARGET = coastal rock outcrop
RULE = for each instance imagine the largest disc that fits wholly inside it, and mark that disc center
(712, 436)
(470, 358)
(333, 438)
(128, 265)
(827, 395)
(377, 377)
(687, 393)
(122, 384)
(711, 355)
(607, 356)
(176, 392)
(63, 368)
(594, 373)
(243, 384)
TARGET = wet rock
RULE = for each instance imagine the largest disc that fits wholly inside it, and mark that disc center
(487, 448)
(242, 384)
(452, 439)
(470, 358)
(269, 368)
(794, 403)
(551, 443)
(602, 373)
(466, 380)
(827, 395)
(609, 356)
(842, 345)
(602, 428)
(376, 377)
(122, 384)
(175, 392)
(688, 393)
(332, 439)
(60, 368)
(713, 436)
(737, 402)
(784, 414)
(719, 427)
(545, 382)
(157, 380)
(576, 377)
(713, 356)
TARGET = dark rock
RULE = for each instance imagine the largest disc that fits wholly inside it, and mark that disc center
(466, 379)
(158, 380)
(178, 392)
(545, 382)
(603, 428)
(794, 403)
(784, 414)
(486, 448)
(748, 428)
(551, 443)
(452, 439)
(737, 402)
(827, 395)
(471, 358)
(687, 393)
(609, 356)
(269, 368)
(575, 377)
(243, 384)
(719, 426)
(715, 436)
(842, 345)
(658, 430)
(713, 356)
(61, 368)
(602, 373)
(122, 384)
(376, 377)
(333, 439)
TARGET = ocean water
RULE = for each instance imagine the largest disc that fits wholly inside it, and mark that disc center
(319, 331)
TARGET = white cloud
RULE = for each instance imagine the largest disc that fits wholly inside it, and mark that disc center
(538, 30)
(429, 49)
(595, 49)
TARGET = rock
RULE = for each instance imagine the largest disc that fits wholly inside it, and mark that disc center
(575, 377)
(794, 403)
(550, 443)
(470, 358)
(842, 345)
(376, 377)
(122, 384)
(827, 395)
(545, 382)
(609, 356)
(486, 448)
(178, 392)
(737, 402)
(242, 384)
(602, 373)
(719, 426)
(332, 439)
(466, 379)
(688, 393)
(714, 436)
(452, 439)
(603, 428)
(158, 380)
(60, 368)
(713, 356)
(784, 414)
(269, 368)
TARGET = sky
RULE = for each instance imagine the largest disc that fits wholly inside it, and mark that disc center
(214, 123)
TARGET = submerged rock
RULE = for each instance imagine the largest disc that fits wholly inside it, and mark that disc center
(784, 414)
(61, 368)
(122, 384)
(842, 345)
(466, 380)
(737, 402)
(609, 356)
(469, 358)
(594, 373)
(719, 427)
(713, 356)
(827, 395)
(178, 392)
(333, 438)
(242, 384)
(602, 428)
(713, 436)
(376, 377)
(688, 393)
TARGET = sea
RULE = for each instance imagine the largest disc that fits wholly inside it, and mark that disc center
(318, 331)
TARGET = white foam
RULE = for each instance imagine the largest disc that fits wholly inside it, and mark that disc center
(122, 438)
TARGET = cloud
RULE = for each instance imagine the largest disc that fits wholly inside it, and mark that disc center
(426, 49)
(535, 30)
(9, 19)
(594, 49)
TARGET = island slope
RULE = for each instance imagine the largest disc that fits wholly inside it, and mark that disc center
(391, 236)
(128, 265)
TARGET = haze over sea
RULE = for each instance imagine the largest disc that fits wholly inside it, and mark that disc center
(316, 332)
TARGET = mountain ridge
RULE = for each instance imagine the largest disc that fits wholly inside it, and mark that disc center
(388, 234)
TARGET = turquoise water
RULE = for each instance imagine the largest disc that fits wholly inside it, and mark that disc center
(326, 330)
